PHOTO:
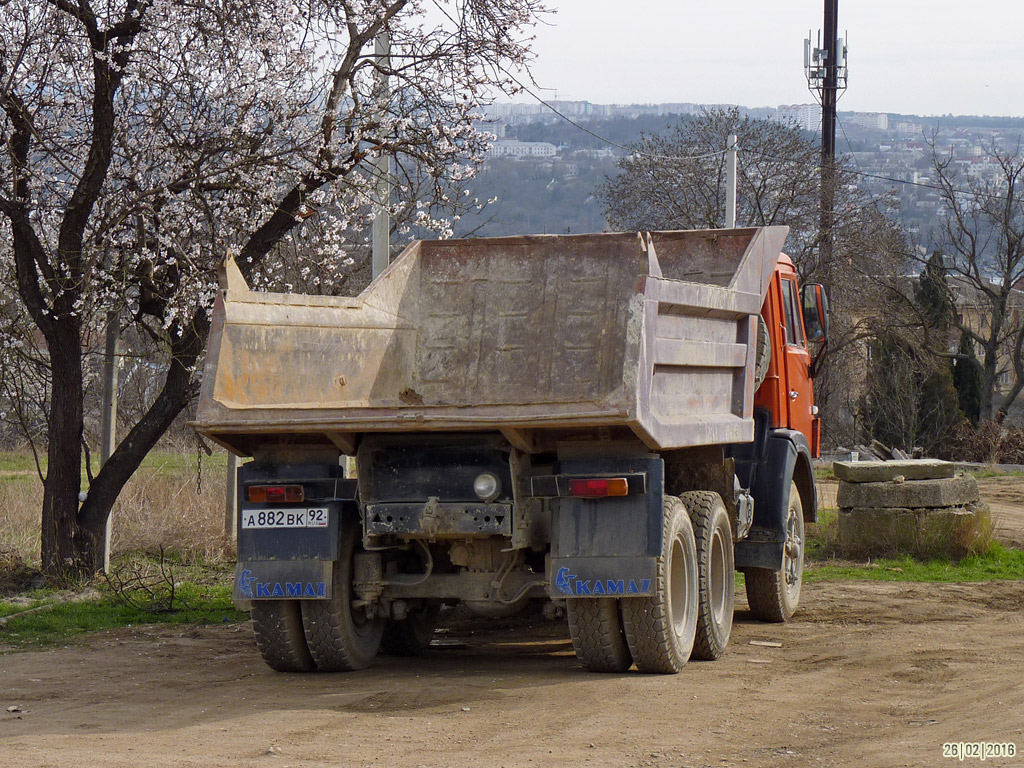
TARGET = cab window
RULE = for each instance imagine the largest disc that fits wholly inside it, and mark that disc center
(794, 330)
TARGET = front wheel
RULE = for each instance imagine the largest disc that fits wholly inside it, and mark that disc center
(660, 629)
(340, 637)
(774, 595)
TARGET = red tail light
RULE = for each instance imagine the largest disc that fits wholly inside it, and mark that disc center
(264, 494)
(595, 487)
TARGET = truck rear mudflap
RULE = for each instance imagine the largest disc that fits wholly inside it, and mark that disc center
(282, 580)
(606, 545)
(288, 530)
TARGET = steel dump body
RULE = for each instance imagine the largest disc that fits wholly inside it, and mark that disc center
(652, 332)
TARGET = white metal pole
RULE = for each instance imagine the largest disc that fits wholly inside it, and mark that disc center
(109, 429)
(231, 498)
(382, 164)
(730, 175)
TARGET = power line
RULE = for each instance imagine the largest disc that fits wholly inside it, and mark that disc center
(940, 188)
(566, 118)
(575, 124)
(599, 137)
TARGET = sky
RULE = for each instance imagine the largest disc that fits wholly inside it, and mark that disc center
(925, 58)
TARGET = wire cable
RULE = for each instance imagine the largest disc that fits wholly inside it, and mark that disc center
(864, 174)
(575, 124)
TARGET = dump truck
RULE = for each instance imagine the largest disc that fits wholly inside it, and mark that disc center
(609, 423)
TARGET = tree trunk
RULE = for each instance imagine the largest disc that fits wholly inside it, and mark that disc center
(988, 385)
(66, 549)
(175, 395)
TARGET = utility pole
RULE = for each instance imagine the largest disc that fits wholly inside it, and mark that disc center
(825, 67)
(382, 163)
(828, 129)
(730, 181)
(109, 436)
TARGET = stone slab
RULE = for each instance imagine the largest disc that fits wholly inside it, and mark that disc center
(952, 532)
(910, 494)
(881, 471)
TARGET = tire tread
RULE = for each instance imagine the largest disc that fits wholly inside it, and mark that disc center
(707, 645)
(280, 639)
(597, 636)
(645, 619)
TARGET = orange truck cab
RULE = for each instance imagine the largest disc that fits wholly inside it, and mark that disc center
(787, 392)
(776, 466)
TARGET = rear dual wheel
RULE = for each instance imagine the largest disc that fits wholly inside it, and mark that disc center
(660, 629)
(279, 635)
(341, 638)
(716, 572)
(657, 632)
(597, 637)
(319, 635)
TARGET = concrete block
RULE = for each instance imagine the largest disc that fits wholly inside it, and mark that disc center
(881, 471)
(911, 494)
(877, 532)
(950, 532)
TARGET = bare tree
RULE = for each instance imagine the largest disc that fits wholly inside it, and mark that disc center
(143, 139)
(982, 229)
(677, 180)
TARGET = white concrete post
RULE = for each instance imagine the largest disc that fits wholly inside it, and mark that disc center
(730, 184)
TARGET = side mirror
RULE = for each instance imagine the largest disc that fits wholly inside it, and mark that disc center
(815, 312)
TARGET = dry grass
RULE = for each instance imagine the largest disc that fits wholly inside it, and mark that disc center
(162, 507)
(21, 499)
(166, 510)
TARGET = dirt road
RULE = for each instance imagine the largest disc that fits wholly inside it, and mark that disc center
(868, 674)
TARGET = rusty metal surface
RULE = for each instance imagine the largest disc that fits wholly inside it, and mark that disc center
(524, 333)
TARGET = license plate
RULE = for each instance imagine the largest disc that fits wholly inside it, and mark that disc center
(312, 517)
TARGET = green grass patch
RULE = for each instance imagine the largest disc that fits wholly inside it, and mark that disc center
(996, 563)
(17, 461)
(202, 604)
(824, 473)
(981, 474)
(20, 466)
(822, 536)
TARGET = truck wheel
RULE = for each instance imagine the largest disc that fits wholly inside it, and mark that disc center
(412, 635)
(774, 595)
(279, 635)
(660, 630)
(340, 638)
(597, 637)
(716, 573)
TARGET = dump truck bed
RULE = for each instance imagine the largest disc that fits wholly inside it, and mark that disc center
(653, 332)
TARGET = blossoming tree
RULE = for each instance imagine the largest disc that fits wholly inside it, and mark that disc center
(144, 139)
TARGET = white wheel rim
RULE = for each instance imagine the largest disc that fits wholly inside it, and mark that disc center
(716, 576)
(793, 555)
(678, 593)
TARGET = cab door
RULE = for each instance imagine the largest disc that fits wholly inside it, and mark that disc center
(799, 394)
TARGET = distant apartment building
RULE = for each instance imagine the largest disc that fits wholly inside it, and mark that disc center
(511, 148)
(807, 117)
(873, 121)
(585, 110)
(907, 128)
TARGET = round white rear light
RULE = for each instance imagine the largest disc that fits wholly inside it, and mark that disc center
(486, 486)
